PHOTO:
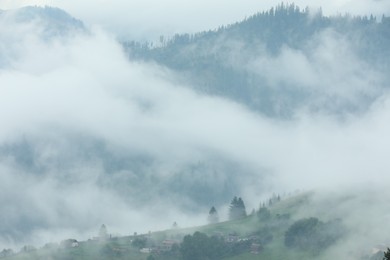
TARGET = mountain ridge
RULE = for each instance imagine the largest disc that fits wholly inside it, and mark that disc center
(215, 61)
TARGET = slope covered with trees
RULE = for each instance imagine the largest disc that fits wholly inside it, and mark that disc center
(245, 62)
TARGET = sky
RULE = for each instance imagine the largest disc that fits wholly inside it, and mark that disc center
(56, 93)
(148, 19)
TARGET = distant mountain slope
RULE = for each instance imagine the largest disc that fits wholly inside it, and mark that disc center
(283, 60)
(138, 178)
(54, 21)
(29, 26)
(38, 46)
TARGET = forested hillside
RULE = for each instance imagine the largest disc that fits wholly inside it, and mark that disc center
(274, 61)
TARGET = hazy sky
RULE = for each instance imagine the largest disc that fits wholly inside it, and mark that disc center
(151, 18)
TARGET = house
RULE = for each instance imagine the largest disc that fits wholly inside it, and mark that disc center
(146, 250)
(68, 243)
(256, 248)
(231, 238)
(167, 245)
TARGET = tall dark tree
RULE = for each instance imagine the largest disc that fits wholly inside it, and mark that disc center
(213, 216)
(241, 206)
(237, 209)
(387, 254)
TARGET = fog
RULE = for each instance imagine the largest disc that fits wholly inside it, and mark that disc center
(147, 20)
(71, 101)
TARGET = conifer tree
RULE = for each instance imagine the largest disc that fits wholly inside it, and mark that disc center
(175, 225)
(387, 254)
(237, 209)
(213, 216)
(241, 207)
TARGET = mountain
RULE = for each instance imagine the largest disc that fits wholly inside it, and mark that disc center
(90, 135)
(51, 21)
(71, 164)
(31, 25)
(283, 60)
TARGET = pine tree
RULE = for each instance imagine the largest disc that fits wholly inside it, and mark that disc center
(175, 225)
(233, 209)
(213, 216)
(237, 209)
(241, 207)
(387, 254)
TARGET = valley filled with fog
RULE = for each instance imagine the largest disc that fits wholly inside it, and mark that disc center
(137, 134)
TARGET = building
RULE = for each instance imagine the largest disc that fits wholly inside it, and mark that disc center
(146, 250)
(232, 238)
(68, 243)
(167, 245)
(256, 248)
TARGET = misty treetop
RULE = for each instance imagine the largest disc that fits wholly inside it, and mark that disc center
(387, 255)
(235, 61)
(213, 216)
(237, 209)
(55, 21)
